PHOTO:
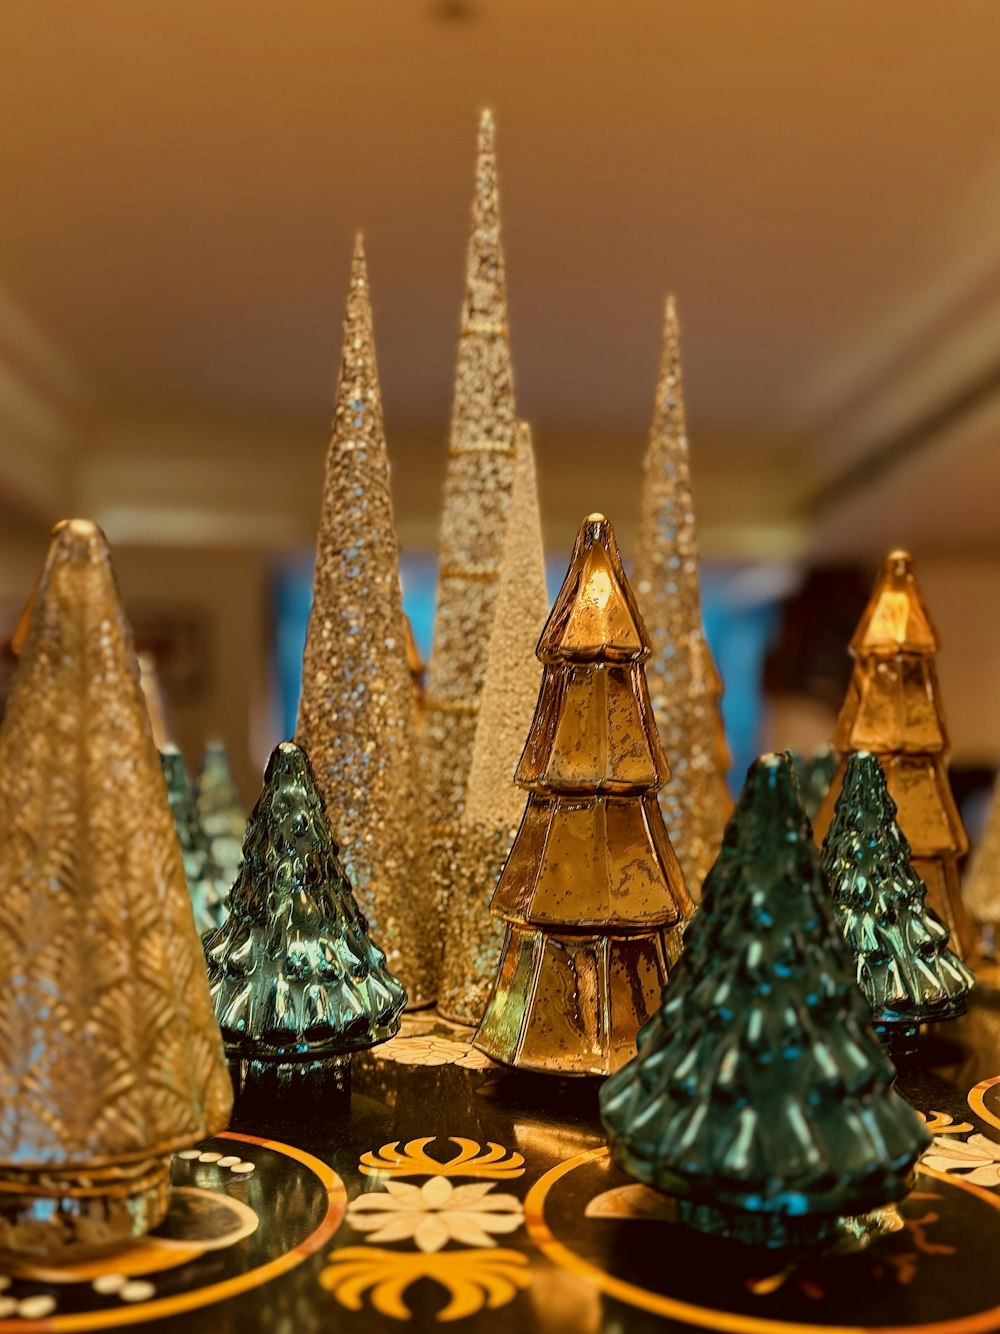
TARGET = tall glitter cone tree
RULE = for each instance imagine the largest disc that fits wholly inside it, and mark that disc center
(476, 501)
(904, 966)
(760, 1096)
(221, 812)
(893, 709)
(981, 889)
(110, 1056)
(684, 684)
(295, 975)
(204, 879)
(356, 715)
(592, 897)
(493, 804)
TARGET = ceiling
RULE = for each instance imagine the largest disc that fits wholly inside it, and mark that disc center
(819, 183)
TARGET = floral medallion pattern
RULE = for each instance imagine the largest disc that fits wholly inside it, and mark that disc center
(431, 1217)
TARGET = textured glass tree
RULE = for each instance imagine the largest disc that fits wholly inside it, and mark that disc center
(815, 773)
(893, 708)
(474, 520)
(110, 1057)
(684, 684)
(357, 719)
(221, 812)
(592, 896)
(760, 1095)
(905, 967)
(493, 804)
(204, 879)
(294, 974)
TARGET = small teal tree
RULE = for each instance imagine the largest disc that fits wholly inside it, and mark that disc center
(294, 974)
(760, 1096)
(900, 945)
(204, 879)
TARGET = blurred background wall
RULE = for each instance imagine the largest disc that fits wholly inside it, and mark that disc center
(819, 184)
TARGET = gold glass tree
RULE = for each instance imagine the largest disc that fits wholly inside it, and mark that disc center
(592, 896)
(684, 684)
(356, 714)
(893, 709)
(110, 1056)
(981, 889)
(493, 804)
(476, 501)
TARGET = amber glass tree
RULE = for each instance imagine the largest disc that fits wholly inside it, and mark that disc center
(893, 708)
(592, 897)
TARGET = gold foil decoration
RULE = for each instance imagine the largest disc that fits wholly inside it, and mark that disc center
(356, 715)
(493, 805)
(110, 1056)
(592, 897)
(893, 708)
(473, 527)
(684, 683)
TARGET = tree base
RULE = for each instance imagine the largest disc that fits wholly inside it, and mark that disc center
(70, 1213)
(571, 1003)
(306, 1082)
(899, 1040)
(760, 1229)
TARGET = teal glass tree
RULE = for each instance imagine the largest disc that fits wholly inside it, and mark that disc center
(760, 1096)
(900, 945)
(204, 879)
(222, 813)
(815, 773)
(294, 974)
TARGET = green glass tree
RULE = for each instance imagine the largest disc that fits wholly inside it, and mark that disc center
(815, 773)
(204, 879)
(760, 1095)
(904, 965)
(294, 974)
(223, 816)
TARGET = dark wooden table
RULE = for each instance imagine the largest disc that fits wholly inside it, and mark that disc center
(490, 1204)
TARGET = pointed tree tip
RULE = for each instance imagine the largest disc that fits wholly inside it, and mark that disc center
(79, 539)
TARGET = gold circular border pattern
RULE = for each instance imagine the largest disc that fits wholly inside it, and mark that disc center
(977, 1101)
(703, 1317)
(180, 1302)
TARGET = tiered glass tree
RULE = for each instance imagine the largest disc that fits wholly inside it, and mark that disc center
(592, 897)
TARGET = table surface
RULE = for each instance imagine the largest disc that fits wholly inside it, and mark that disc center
(490, 1203)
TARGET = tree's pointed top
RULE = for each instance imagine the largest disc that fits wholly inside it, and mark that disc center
(896, 619)
(769, 802)
(288, 761)
(485, 288)
(595, 617)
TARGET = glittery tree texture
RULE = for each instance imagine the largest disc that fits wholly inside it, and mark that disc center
(356, 716)
(295, 975)
(418, 672)
(905, 967)
(982, 880)
(893, 709)
(684, 685)
(493, 804)
(760, 1095)
(110, 1056)
(204, 879)
(221, 812)
(592, 896)
(473, 526)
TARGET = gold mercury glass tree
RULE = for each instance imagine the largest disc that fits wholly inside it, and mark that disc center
(473, 526)
(110, 1056)
(592, 896)
(893, 709)
(356, 714)
(493, 804)
(684, 685)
